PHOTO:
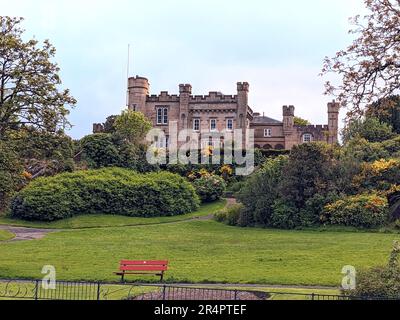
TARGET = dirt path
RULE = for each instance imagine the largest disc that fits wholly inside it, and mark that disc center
(23, 234)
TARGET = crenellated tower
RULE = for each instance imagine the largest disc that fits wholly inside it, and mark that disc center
(138, 90)
(333, 121)
(243, 103)
(288, 126)
(185, 92)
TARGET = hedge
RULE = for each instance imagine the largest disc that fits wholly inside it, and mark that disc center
(107, 191)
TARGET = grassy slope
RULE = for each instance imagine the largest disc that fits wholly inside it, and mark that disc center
(99, 220)
(6, 235)
(200, 251)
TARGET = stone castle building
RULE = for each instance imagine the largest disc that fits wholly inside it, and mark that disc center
(216, 112)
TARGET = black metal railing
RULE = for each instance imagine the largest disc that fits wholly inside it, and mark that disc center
(69, 290)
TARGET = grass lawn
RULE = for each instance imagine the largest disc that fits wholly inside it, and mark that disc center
(6, 235)
(200, 251)
(104, 220)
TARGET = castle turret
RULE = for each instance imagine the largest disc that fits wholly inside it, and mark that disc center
(333, 121)
(288, 126)
(185, 91)
(243, 102)
(138, 88)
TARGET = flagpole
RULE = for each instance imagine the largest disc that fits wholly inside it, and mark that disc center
(127, 76)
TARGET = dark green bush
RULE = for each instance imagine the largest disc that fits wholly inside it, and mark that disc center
(108, 191)
(209, 187)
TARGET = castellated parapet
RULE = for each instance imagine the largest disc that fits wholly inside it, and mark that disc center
(221, 112)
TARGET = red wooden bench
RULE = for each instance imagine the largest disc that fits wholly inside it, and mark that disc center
(142, 267)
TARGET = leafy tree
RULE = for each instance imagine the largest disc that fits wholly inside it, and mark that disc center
(301, 122)
(369, 68)
(387, 111)
(99, 150)
(370, 128)
(44, 152)
(307, 173)
(260, 191)
(132, 126)
(11, 173)
(29, 82)
(109, 124)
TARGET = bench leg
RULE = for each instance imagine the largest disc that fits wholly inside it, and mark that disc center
(162, 276)
(122, 277)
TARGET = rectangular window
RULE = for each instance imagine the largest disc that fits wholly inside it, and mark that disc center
(165, 115)
(196, 124)
(229, 124)
(133, 107)
(162, 115)
(307, 138)
(213, 125)
(267, 133)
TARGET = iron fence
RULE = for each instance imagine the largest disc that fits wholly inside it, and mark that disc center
(69, 290)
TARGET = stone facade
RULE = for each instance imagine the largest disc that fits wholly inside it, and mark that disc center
(218, 112)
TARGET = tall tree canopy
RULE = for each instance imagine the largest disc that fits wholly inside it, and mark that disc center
(29, 82)
(370, 66)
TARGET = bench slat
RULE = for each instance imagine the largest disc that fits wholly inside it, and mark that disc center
(143, 262)
(143, 268)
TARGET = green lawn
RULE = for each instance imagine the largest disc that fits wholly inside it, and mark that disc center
(200, 251)
(6, 235)
(100, 221)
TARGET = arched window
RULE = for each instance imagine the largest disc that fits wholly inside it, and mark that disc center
(279, 147)
(267, 147)
(307, 138)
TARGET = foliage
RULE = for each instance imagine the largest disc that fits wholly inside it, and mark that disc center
(308, 172)
(361, 211)
(44, 152)
(108, 191)
(260, 190)
(108, 126)
(370, 128)
(301, 122)
(209, 187)
(387, 110)
(381, 175)
(230, 215)
(284, 215)
(132, 126)
(380, 282)
(369, 67)
(28, 69)
(98, 150)
(11, 173)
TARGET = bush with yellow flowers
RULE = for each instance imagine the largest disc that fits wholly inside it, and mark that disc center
(360, 211)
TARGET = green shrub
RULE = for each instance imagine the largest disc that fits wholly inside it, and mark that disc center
(361, 211)
(108, 191)
(209, 187)
(379, 282)
(284, 216)
(230, 215)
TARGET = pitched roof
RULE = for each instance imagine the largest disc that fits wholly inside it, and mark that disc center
(265, 120)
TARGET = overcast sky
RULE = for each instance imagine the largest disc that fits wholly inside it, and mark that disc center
(276, 46)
